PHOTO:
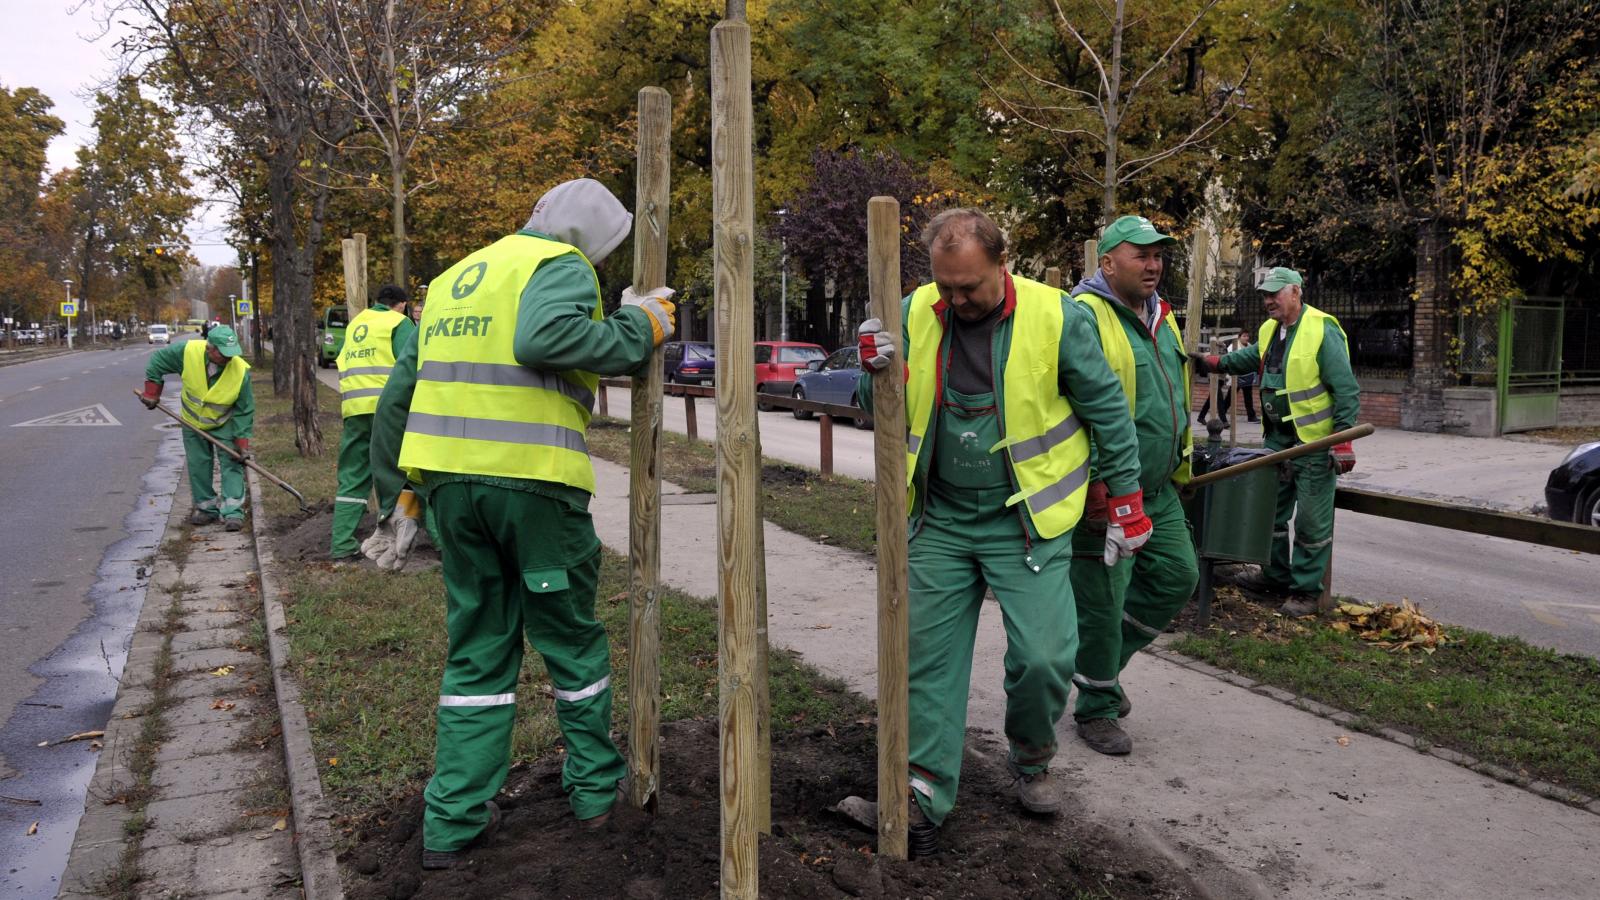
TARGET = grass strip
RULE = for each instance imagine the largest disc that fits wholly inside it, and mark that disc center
(1531, 710)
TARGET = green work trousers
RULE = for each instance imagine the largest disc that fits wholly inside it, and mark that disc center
(1307, 498)
(1122, 608)
(355, 483)
(517, 563)
(199, 453)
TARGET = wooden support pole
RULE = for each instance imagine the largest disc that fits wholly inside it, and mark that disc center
(1091, 257)
(690, 426)
(825, 450)
(1052, 275)
(604, 401)
(738, 460)
(1197, 307)
(355, 273)
(652, 201)
(889, 443)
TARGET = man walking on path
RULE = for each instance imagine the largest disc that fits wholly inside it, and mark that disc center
(997, 363)
(1122, 608)
(1307, 392)
(486, 410)
(372, 342)
(218, 400)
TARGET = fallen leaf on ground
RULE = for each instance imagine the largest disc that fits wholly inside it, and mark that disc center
(280, 825)
(222, 704)
(222, 670)
(33, 829)
(1390, 626)
(333, 760)
(1343, 740)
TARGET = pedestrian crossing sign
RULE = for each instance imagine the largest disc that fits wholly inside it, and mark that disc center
(69, 309)
(243, 307)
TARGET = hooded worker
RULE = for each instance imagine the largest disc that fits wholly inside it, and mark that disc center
(372, 343)
(485, 411)
(217, 399)
(1122, 608)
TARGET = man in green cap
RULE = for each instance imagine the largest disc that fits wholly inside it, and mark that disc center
(372, 342)
(1004, 389)
(217, 400)
(1307, 392)
(1123, 607)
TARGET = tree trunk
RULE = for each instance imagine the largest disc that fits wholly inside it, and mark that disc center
(1113, 119)
(397, 191)
(291, 286)
(816, 309)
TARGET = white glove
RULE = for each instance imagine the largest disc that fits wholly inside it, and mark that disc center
(875, 344)
(657, 304)
(405, 534)
(374, 547)
(629, 298)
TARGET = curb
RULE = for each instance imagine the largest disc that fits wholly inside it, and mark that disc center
(319, 866)
(1564, 796)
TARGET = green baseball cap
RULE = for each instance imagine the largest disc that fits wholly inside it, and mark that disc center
(226, 342)
(1279, 278)
(1132, 230)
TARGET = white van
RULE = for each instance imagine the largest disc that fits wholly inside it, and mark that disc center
(158, 335)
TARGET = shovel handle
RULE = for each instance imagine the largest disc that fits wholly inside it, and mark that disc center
(233, 454)
(1272, 459)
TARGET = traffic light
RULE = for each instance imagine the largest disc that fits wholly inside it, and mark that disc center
(155, 249)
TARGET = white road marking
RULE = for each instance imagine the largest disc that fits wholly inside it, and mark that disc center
(36, 387)
(1544, 611)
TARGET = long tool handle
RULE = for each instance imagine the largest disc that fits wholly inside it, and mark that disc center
(1272, 459)
(299, 497)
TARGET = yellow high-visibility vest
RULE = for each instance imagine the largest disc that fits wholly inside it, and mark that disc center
(208, 407)
(1043, 439)
(1119, 356)
(366, 360)
(476, 410)
(1310, 404)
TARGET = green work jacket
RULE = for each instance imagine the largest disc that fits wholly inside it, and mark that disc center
(1333, 364)
(169, 361)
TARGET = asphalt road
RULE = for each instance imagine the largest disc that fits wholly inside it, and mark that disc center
(85, 499)
(1549, 597)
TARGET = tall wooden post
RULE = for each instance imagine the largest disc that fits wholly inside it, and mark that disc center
(1197, 307)
(738, 460)
(652, 199)
(355, 273)
(1052, 275)
(889, 425)
(1091, 257)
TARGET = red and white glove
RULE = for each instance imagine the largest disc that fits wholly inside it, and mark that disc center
(242, 444)
(877, 345)
(1127, 526)
(1344, 457)
(152, 394)
(1094, 505)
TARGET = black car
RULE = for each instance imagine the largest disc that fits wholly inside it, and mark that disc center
(1383, 339)
(1573, 490)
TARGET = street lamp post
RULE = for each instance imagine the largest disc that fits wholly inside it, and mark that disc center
(783, 280)
(68, 283)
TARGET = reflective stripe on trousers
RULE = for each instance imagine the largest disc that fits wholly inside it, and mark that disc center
(483, 700)
(584, 693)
(1086, 681)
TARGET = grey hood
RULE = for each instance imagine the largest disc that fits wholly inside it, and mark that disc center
(583, 213)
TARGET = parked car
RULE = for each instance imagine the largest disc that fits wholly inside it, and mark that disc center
(1383, 339)
(777, 364)
(1572, 492)
(832, 380)
(689, 362)
(334, 321)
(158, 334)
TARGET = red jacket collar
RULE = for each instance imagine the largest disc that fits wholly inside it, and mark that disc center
(940, 306)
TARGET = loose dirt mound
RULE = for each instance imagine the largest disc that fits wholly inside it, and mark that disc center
(989, 850)
(305, 537)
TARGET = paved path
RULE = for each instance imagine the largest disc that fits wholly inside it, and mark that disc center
(1253, 796)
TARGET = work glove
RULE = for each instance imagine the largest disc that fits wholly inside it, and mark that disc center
(1094, 505)
(1344, 457)
(242, 444)
(658, 305)
(151, 397)
(877, 345)
(399, 533)
(1204, 363)
(1127, 526)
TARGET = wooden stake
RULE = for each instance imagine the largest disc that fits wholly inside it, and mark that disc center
(889, 427)
(1052, 275)
(738, 462)
(652, 199)
(355, 273)
(1197, 308)
(1091, 257)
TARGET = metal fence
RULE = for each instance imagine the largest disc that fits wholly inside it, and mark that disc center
(1580, 342)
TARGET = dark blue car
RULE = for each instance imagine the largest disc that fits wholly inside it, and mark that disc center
(1573, 489)
(832, 380)
(688, 362)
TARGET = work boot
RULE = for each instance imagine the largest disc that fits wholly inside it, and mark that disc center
(1105, 736)
(1124, 707)
(448, 859)
(202, 517)
(1036, 792)
(595, 823)
(922, 835)
(234, 524)
(1258, 586)
(1299, 605)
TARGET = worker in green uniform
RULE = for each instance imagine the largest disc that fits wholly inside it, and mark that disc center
(217, 400)
(486, 411)
(1005, 385)
(1307, 392)
(1122, 608)
(372, 341)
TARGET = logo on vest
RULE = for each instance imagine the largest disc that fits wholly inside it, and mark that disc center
(360, 333)
(462, 286)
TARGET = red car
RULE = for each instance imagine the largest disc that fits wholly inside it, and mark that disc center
(778, 362)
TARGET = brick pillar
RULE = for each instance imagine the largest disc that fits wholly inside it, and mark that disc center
(1422, 405)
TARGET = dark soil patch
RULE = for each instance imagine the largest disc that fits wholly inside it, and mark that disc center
(1231, 608)
(989, 849)
(305, 536)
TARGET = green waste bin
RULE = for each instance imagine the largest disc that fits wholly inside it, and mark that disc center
(1235, 517)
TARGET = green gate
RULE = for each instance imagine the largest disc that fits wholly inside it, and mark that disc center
(1530, 363)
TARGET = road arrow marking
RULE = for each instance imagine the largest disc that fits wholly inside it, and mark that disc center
(88, 415)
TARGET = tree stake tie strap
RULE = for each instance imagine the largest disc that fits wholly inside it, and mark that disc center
(1272, 459)
(299, 497)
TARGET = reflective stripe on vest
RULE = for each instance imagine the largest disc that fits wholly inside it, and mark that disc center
(209, 407)
(1047, 447)
(476, 410)
(366, 360)
(1310, 404)
(1119, 356)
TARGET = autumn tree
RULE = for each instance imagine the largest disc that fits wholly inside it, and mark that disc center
(26, 128)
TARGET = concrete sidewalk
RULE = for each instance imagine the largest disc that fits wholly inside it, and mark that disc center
(1253, 796)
